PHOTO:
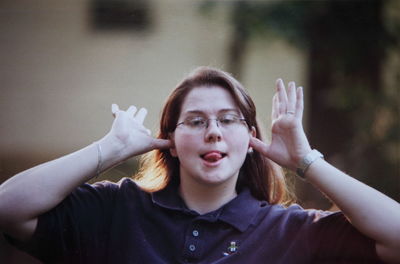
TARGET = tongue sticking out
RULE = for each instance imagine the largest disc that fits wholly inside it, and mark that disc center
(213, 156)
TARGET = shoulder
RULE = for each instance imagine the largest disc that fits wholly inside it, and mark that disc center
(296, 217)
(295, 211)
(127, 186)
(124, 192)
(99, 194)
(107, 187)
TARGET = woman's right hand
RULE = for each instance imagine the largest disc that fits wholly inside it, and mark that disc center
(130, 135)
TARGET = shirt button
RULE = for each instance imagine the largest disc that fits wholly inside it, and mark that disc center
(192, 247)
(195, 233)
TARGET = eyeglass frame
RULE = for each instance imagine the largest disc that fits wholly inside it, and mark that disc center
(207, 121)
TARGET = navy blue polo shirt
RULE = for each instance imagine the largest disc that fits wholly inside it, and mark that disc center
(119, 223)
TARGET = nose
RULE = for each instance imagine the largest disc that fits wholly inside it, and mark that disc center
(213, 131)
(209, 121)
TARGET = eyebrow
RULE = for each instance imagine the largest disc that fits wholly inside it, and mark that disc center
(224, 110)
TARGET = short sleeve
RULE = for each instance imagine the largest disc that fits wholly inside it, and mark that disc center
(334, 240)
(76, 227)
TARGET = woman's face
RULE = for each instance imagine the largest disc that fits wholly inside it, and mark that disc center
(215, 153)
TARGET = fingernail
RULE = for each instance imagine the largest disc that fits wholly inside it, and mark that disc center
(144, 110)
(114, 108)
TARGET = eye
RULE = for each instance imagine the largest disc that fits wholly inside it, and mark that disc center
(228, 119)
(196, 121)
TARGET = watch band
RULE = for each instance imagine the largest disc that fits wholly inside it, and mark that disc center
(308, 159)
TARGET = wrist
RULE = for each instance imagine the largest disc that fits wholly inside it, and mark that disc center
(306, 161)
(112, 152)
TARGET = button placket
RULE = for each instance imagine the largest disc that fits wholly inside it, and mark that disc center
(192, 247)
(193, 244)
(195, 235)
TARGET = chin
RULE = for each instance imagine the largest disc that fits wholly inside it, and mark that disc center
(215, 179)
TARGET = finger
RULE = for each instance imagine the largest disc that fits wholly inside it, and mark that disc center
(259, 146)
(282, 96)
(291, 106)
(131, 110)
(141, 115)
(162, 143)
(299, 103)
(114, 109)
(275, 107)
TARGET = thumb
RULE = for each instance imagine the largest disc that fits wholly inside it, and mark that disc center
(162, 143)
(259, 146)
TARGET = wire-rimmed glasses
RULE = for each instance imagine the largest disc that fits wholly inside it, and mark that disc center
(226, 121)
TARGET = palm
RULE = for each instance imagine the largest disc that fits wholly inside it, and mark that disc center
(288, 141)
(129, 131)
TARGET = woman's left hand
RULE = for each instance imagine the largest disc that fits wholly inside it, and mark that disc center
(289, 143)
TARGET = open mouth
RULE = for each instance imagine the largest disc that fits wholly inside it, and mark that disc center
(213, 156)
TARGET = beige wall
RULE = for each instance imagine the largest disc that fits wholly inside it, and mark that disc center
(59, 77)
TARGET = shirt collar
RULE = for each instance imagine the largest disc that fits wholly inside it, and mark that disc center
(239, 212)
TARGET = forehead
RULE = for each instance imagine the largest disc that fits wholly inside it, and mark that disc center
(208, 99)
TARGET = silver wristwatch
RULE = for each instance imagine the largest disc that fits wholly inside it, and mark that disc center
(308, 159)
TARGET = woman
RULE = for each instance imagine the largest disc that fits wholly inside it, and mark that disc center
(210, 192)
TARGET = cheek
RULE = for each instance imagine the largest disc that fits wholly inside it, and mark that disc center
(185, 143)
(238, 144)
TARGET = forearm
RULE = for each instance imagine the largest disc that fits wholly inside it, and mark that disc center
(39, 189)
(371, 212)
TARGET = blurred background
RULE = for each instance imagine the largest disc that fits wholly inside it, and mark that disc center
(63, 63)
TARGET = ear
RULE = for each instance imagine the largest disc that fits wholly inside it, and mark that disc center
(172, 150)
(173, 153)
(253, 133)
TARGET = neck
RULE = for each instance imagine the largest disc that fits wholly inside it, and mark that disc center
(205, 198)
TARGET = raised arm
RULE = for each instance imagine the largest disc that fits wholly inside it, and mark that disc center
(32, 192)
(371, 212)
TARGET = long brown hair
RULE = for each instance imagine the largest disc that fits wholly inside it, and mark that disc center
(264, 178)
